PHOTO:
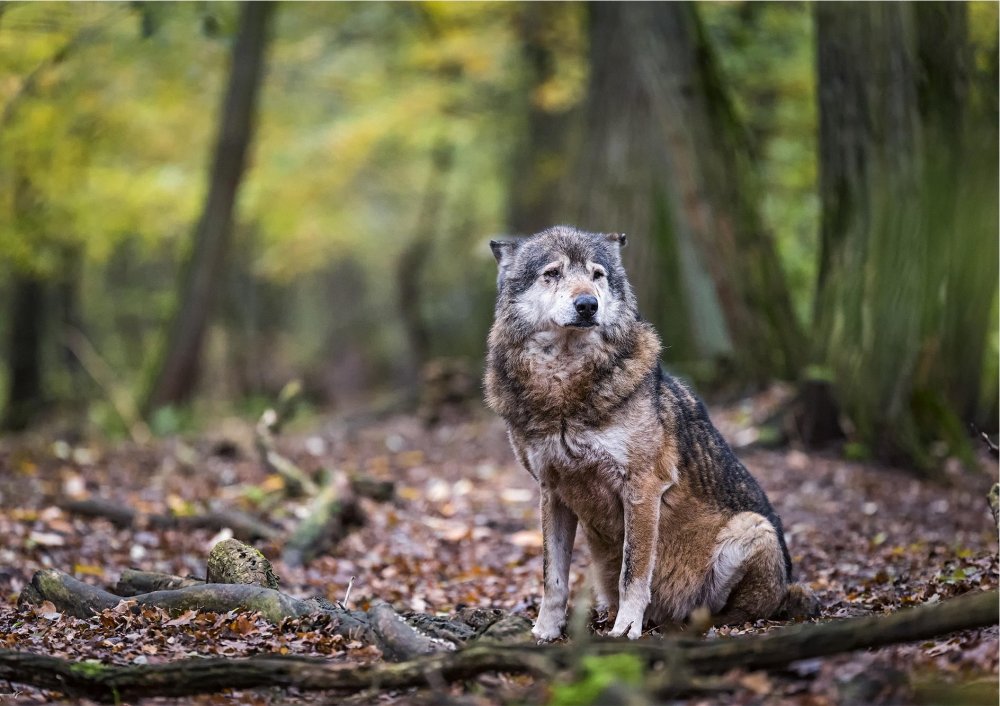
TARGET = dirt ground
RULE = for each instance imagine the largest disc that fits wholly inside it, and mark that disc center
(464, 531)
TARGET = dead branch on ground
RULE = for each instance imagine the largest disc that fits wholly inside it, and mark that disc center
(778, 648)
(333, 510)
(240, 578)
(243, 525)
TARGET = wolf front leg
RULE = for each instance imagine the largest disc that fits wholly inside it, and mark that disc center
(641, 505)
(558, 532)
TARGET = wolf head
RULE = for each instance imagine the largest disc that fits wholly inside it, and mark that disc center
(563, 280)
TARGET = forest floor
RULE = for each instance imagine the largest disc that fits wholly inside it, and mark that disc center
(463, 530)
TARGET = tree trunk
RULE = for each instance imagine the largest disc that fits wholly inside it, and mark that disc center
(621, 182)
(24, 352)
(908, 254)
(714, 195)
(960, 189)
(70, 320)
(27, 325)
(542, 157)
(412, 262)
(177, 376)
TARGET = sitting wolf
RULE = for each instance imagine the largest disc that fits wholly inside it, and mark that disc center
(672, 518)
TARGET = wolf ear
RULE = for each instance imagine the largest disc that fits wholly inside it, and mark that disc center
(619, 238)
(503, 251)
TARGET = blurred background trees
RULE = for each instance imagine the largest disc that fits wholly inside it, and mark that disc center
(810, 191)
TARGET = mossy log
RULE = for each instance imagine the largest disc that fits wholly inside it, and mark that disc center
(195, 676)
(82, 600)
(133, 582)
(397, 638)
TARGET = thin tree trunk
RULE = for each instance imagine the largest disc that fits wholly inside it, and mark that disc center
(714, 191)
(412, 262)
(543, 155)
(27, 325)
(24, 351)
(177, 376)
(71, 318)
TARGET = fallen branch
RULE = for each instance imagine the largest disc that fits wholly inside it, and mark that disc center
(133, 582)
(333, 509)
(269, 425)
(82, 600)
(196, 676)
(332, 513)
(381, 626)
(243, 525)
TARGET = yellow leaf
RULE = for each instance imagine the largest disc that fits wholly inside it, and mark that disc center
(88, 569)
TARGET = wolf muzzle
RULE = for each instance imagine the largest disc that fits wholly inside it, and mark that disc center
(586, 307)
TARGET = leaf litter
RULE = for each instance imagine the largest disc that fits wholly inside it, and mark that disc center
(463, 532)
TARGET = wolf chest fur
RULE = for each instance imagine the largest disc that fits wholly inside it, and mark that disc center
(620, 449)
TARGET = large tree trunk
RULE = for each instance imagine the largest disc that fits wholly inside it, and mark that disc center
(176, 377)
(908, 255)
(714, 196)
(621, 181)
(960, 186)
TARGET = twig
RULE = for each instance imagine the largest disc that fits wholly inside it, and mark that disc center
(347, 593)
(268, 426)
(993, 448)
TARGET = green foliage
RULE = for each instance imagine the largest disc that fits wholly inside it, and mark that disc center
(107, 113)
(766, 51)
(595, 675)
(91, 668)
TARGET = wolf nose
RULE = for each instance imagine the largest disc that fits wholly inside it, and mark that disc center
(586, 305)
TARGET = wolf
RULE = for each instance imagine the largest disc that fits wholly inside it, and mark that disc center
(623, 450)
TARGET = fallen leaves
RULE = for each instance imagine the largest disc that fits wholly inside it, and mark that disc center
(463, 531)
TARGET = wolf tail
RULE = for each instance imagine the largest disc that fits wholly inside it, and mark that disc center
(800, 603)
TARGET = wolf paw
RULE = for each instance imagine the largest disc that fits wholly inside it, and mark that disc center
(546, 630)
(624, 626)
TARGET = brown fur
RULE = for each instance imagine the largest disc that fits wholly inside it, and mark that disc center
(673, 521)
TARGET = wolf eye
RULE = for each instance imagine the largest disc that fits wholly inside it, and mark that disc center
(598, 274)
(552, 272)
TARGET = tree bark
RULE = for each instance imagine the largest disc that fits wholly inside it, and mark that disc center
(620, 181)
(908, 255)
(542, 156)
(714, 194)
(775, 649)
(24, 351)
(413, 260)
(177, 375)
